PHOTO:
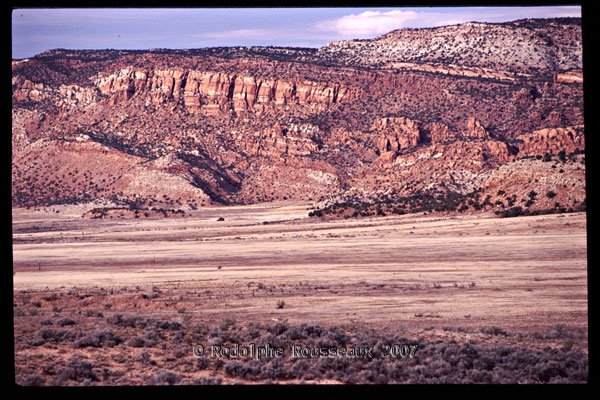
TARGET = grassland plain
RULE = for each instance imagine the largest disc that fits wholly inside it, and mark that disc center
(484, 299)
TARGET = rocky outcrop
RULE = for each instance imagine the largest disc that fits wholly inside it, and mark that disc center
(28, 90)
(569, 77)
(214, 93)
(64, 95)
(438, 132)
(74, 95)
(460, 155)
(459, 70)
(475, 130)
(278, 141)
(552, 141)
(395, 134)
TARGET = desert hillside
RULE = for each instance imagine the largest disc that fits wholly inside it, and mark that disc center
(459, 118)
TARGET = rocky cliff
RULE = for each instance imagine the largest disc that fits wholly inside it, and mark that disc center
(215, 93)
(552, 141)
(412, 110)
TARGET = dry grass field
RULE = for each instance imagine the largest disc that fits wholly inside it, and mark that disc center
(485, 299)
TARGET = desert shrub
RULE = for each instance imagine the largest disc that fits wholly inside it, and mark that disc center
(178, 337)
(279, 328)
(208, 380)
(202, 362)
(494, 330)
(36, 341)
(312, 330)
(295, 333)
(547, 157)
(77, 371)
(136, 342)
(56, 335)
(139, 322)
(94, 313)
(152, 336)
(66, 322)
(562, 156)
(299, 368)
(436, 361)
(51, 297)
(246, 370)
(124, 321)
(166, 378)
(511, 212)
(167, 325)
(99, 339)
(274, 369)
(34, 380)
(227, 323)
(145, 358)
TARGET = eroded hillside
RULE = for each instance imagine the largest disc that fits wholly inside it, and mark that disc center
(464, 109)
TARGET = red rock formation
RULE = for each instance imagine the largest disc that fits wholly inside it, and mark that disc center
(396, 133)
(278, 140)
(215, 92)
(552, 141)
(472, 156)
(475, 129)
(27, 90)
(569, 77)
(439, 132)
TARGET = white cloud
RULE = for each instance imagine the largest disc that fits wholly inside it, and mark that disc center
(369, 24)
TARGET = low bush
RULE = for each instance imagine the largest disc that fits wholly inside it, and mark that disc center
(99, 339)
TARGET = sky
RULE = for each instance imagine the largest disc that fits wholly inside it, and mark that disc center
(38, 30)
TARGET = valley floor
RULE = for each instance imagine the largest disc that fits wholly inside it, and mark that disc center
(451, 279)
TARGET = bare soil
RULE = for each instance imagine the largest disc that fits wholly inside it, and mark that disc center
(451, 279)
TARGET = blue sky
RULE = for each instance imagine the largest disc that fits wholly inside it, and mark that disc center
(37, 30)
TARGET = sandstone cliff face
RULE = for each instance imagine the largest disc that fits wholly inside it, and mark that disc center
(76, 95)
(396, 133)
(450, 69)
(25, 90)
(278, 141)
(438, 132)
(28, 90)
(475, 130)
(215, 93)
(454, 164)
(552, 141)
(471, 156)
